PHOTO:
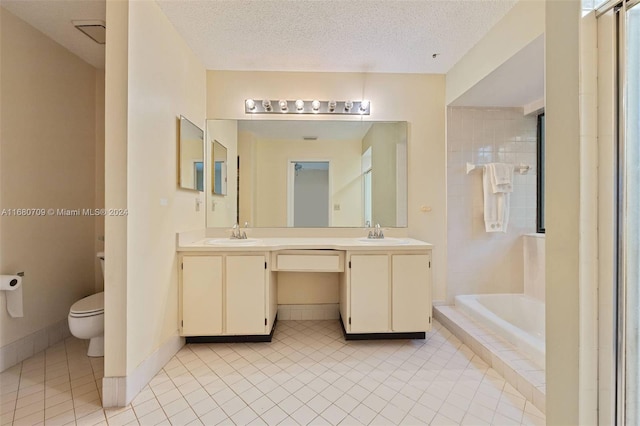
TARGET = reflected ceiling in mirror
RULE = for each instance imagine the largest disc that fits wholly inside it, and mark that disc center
(319, 173)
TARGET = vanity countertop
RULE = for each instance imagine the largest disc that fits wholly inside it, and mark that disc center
(304, 243)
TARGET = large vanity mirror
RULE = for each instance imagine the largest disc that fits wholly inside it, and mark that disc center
(311, 173)
(191, 156)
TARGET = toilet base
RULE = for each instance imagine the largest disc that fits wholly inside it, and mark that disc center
(96, 347)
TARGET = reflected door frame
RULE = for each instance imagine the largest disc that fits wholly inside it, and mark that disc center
(291, 179)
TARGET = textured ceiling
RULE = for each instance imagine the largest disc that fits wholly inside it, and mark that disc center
(53, 18)
(296, 35)
(333, 36)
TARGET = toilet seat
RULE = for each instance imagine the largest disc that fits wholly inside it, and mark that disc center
(88, 307)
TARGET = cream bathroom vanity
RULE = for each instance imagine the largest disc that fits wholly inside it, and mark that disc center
(228, 290)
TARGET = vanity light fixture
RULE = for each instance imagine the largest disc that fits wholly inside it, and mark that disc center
(300, 106)
(348, 105)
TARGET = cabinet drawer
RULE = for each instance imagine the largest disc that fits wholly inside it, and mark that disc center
(310, 262)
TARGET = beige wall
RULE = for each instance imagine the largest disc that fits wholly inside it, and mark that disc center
(272, 162)
(145, 96)
(221, 209)
(99, 174)
(519, 27)
(48, 160)
(116, 129)
(418, 99)
(563, 211)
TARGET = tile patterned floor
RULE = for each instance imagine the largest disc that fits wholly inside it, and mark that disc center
(307, 375)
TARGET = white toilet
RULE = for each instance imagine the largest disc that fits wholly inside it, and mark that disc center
(86, 319)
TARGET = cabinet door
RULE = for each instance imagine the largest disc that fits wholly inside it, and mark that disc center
(369, 287)
(245, 287)
(411, 293)
(201, 295)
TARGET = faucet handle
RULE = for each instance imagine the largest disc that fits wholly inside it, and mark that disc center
(246, 224)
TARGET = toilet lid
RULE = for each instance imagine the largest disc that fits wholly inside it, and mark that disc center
(91, 304)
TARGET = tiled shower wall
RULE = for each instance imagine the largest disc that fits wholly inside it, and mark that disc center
(477, 261)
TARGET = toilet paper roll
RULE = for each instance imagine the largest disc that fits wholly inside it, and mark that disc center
(12, 284)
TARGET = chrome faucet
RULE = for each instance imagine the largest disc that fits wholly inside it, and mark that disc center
(236, 234)
(376, 233)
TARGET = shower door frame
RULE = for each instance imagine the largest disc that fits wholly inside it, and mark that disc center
(618, 400)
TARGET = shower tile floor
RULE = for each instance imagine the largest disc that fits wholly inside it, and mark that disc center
(307, 375)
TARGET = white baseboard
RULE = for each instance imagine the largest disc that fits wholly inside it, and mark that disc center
(120, 391)
(16, 352)
(325, 311)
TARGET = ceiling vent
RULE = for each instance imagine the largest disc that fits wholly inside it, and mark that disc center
(96, 30)
(310, 138)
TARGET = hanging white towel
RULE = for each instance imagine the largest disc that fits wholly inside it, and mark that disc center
(496, 205)
(501, 177)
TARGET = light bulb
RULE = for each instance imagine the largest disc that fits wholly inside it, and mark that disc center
(364, 106)
(348, 105)
(283, 105)
(266, 104)
(300, 105)
(251, 104)
(315, 105)
(332, 106)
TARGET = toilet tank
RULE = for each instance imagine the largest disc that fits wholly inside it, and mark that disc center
(101, 257)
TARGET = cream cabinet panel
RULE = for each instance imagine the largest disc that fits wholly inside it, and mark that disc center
(201, 295)
(245, 290)
(411, 301)
(369, 296)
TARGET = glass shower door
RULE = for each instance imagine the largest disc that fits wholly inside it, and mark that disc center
(629, 231)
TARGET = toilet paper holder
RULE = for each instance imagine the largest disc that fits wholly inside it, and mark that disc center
(12, 285)
(15, 282)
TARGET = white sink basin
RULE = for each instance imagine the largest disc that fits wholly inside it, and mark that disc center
(382, 242)
(232, 242)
